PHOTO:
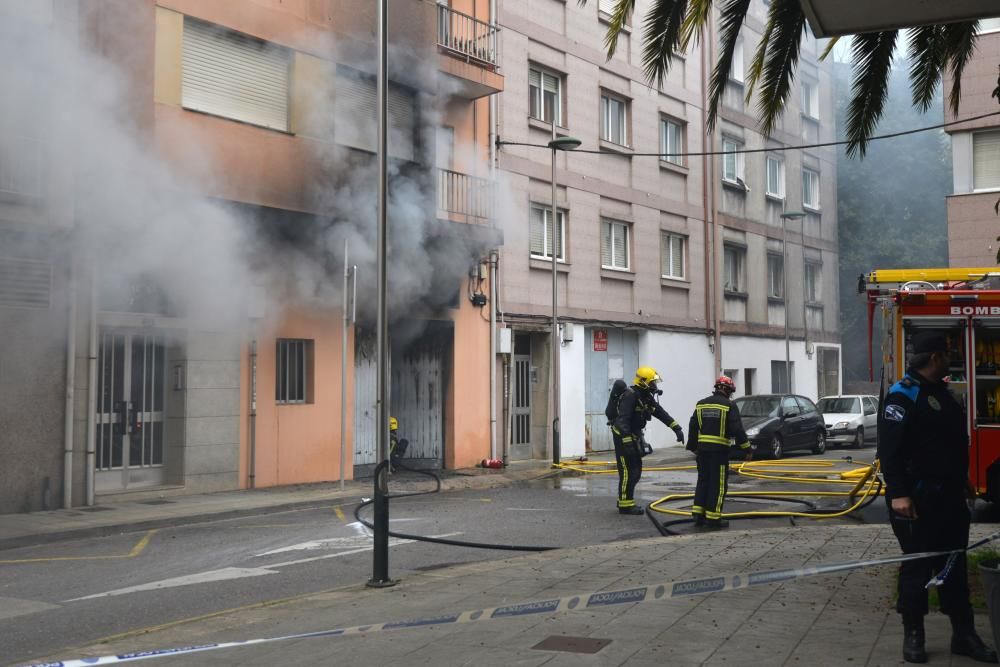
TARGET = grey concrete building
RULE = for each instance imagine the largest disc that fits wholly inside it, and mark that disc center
(673, 260)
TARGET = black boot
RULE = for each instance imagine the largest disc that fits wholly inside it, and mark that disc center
(716, 524)
(913, 639)
(635, 510)
(965, 641)
(699, 519)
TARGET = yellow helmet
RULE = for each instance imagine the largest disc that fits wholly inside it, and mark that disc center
(393, 424)
(645, 377)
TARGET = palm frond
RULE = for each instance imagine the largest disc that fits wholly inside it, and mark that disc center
(698, 16)
(619, 19)
(661, 37)
(759, 57)
(927, 62)
(732, 14)
(830, 45)
(782, 58)
(872, 55)
(960, 43)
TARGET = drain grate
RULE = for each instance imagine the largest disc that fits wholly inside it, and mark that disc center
(571, 644)
(156, 502)
(96, 508)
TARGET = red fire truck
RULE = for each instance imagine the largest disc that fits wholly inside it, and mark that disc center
(964, 306)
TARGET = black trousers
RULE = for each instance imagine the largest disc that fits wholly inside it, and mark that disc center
(713, 482)
(942, 523)
(629, 463)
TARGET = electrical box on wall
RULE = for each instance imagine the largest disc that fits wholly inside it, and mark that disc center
(567, 332)
(505, 341)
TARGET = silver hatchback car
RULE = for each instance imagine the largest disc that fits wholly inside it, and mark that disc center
(851, 420)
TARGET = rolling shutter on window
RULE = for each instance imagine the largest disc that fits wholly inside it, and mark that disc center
(357, 116)
(606, 245)
(986, 160)
(621, 246)
(25, 283)
(607, 6)
(534, 78)
(235, 76)
(537, 232)
(402, 120)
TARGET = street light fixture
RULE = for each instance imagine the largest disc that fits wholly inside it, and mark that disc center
(557, 144)
(785, 217)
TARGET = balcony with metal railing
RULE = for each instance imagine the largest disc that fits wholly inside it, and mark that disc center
(471, 48)
(464, 198)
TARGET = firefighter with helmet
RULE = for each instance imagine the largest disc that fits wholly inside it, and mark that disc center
(636, 406)
(715, 427)
(397, 446)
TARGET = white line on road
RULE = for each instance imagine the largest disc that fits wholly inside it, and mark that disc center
(528, 509)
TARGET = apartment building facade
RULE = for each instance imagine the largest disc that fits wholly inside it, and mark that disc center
(673, 260)
(179, 237)
(975, 148)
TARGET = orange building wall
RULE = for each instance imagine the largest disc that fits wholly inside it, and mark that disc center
(301, 443)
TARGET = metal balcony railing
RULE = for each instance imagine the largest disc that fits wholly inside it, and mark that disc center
(468, 37)
(465, 195)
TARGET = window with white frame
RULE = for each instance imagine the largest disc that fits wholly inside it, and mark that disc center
(775, 276)
(988, 25)
(732, 161)
(615, 245)
(775, 177)
(542, 235)
(545, 94)
(673, 251)
(671, 141)
(614, 119)
(810, 189)
(737, 70)
(810, 99)
(293, 368)
(734, 269)
(233, 75)
(607, 6)
(814, 282)
(986, 160)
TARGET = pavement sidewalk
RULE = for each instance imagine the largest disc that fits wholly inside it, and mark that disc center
(148, 510)
(839, 619)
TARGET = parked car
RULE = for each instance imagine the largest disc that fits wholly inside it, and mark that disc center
(779, 423)
(850, 420)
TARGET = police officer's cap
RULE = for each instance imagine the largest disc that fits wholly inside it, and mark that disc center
(928, 341)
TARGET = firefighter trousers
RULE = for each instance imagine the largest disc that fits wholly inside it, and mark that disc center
(713, 481)
(629, 463)
(942, 524)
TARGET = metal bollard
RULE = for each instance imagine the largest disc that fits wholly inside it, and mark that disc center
(380, 553)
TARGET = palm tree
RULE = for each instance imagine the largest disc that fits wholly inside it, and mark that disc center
(671, 26)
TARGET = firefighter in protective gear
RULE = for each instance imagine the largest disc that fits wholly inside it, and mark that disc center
(715, 426)
(636, 406)
(397, 446)
(923, 448)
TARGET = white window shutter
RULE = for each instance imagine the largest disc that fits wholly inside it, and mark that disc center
(25, 283)
(607, 6)
(534, 78)
(606, 244)
(559, 233)
(356, 113)
(402, 121)
(537, 232)
(677, 256)
(665, 250)
(621, 246)
(986, 160)
(235, 76)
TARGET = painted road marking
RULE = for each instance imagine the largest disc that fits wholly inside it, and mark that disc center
(352, 542)
(225, 574)
(139, 547)
(340, 513)
(393, 542)
(11, 607)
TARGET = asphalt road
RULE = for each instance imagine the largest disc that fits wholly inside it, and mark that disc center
(60, 595)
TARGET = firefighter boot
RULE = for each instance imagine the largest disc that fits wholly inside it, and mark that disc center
(635, 510)
(965, 641)
(716, 524)
(699, 519)
(913, 639)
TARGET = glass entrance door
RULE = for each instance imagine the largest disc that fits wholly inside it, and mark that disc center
(130, 413)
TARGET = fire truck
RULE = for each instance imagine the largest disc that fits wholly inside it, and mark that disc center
(964, 306)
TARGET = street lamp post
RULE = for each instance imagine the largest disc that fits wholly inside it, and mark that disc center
(785, 217)
(557, 144)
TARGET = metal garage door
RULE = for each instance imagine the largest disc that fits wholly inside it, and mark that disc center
(612, 354)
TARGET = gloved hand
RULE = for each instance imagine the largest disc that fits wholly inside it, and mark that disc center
(680, 433)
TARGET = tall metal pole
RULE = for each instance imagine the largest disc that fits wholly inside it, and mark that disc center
(343, 370)
(380, 551)
(784, 294)
(556, 453)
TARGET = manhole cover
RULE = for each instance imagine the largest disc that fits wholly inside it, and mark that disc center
(156, 502)
(96, 508)
(571, 644)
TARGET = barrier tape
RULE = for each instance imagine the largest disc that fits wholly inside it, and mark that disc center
(595, 600)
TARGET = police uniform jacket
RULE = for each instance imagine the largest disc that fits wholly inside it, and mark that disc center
(716, 424)
(923, 445)
(635, 408)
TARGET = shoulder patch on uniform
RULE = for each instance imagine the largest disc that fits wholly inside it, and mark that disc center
(906, 387)
(894, 413)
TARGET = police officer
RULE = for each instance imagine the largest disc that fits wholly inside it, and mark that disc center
(636, 406)
(715, 425)
(923, 448)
